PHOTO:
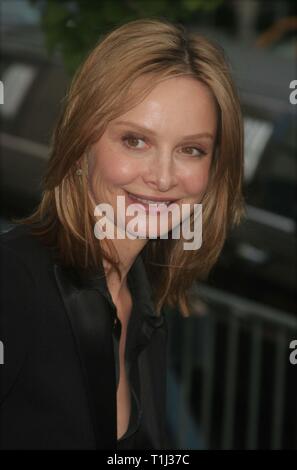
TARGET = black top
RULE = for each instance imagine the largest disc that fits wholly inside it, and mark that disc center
(60, 332)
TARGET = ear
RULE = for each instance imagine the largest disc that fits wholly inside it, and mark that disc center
(83, 163)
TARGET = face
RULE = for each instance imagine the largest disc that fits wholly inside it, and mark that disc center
(161, 150)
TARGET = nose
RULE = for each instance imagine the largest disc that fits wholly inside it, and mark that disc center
(162, 172)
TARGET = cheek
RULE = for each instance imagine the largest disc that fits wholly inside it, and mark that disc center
(113, 168)
(195, 180)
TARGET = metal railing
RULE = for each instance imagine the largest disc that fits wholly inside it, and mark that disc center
(230, 381)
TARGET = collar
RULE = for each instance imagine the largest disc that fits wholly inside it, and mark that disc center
(138, 283)
(91, 279)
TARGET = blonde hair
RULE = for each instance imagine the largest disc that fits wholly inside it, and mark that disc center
(99, 93)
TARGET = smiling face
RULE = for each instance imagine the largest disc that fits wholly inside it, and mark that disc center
(160, 150)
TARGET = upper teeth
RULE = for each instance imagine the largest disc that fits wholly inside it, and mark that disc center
(149, 201)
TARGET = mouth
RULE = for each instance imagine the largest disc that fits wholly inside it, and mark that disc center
(148, 203)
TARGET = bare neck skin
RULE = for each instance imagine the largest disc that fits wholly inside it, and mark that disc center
(128, 251)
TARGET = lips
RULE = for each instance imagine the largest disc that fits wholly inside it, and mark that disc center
(147, 201)
(149, 206)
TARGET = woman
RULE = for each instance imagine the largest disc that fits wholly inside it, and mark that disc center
(152, 118)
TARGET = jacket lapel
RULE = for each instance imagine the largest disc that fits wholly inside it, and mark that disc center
(91, 323)
(92, 318)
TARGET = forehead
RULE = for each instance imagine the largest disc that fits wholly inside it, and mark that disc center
(173, 102)
(150, 88)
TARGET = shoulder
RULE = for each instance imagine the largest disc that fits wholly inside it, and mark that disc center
(26, 277)
(19, 246)
(18, 296)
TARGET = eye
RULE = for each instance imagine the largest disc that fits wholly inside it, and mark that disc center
(200, 151)
(130, 141)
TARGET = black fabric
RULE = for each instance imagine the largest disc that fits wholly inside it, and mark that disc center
(61, 334)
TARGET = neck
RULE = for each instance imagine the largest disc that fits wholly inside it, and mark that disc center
(127, 251)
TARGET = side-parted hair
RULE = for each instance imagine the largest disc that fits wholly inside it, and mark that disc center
(153, 49)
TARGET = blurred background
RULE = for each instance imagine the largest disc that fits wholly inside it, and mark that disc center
(231, 384)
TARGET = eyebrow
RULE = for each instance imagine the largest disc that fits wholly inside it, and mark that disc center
(150, 131)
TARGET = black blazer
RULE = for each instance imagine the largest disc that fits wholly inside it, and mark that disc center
(60, 332)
